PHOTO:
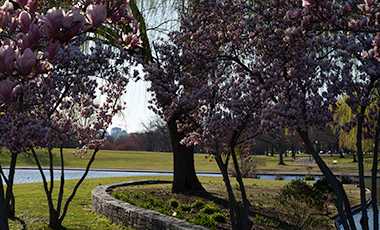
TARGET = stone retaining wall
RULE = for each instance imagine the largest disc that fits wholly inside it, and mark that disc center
(132, 216)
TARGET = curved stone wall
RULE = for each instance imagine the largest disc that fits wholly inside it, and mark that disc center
(132, 216)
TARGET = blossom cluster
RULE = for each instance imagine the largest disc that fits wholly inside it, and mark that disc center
(357, 39)
(49, 85)
(235, 66)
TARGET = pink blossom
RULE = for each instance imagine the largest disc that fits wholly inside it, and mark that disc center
(307, 2)
(22, 3)
(7, 7)
(73, 23)
(131, 40)
(53, 21)
(26, 61)
(7, 58)
(32, 6)
(7, 92)
(66, 126)
(53, 48)
(25, 20)
(135, 26)
(96, 14)
(369, 2)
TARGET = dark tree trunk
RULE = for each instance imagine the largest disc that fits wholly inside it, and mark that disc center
(342, 204)
(238, 214)
(293, 152)
(374, 180)
(3, 215)
(354, 157)
(362, 187)
(7, 195)
(185, 178)
(281, 154)
(12, 208)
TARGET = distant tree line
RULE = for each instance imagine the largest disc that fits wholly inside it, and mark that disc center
(155, 137)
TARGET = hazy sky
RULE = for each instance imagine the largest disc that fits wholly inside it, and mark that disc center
(137, 108)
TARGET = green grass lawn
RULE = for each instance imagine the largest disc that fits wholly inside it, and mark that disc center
(32, 209)
(164, 161)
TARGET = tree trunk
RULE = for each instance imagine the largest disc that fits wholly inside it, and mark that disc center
(238, 215)
(374, 180)
(185, 178)
(7, 195)
(354, 157)
(3, 214)
(242, 211)
(362, 187)
(12, 208)
(341, 196)
(54, 221)
(281, 154)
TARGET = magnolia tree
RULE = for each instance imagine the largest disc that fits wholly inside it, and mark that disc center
(49, 86)
(221, 98)
(356, 24)
(227, 50)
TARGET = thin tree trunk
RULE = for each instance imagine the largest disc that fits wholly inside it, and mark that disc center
(281, 154)
(362, 187)
(243, 216)
(341, 196)
(185, 179)
(374, 180)
(12, 208)
(53, 215)
(92, 159)
(7, 195)
(3, 214)
(62, 185)
(231, 198)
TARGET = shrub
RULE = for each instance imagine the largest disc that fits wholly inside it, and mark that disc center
(151, 200)
(309, 177)
(219, 217)
(198, 204)
(159, 203)
(306, 201)
(185, 207)
(296, 198)
(324, 196)
(210, 208)
(204, 220)
(278, 177)
(174, 203)
(345, 179)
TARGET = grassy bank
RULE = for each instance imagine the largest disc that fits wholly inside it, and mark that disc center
(32, 209)
(164, 161)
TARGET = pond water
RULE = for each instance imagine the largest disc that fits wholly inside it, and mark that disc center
(33, 175)
(358, 216)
